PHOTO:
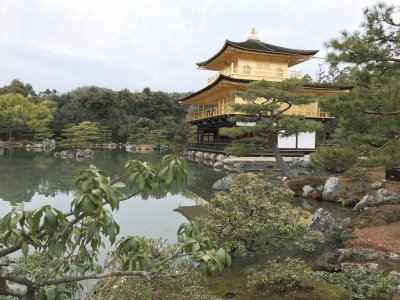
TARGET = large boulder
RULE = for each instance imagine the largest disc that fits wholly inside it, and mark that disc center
(382, 197)
(225, 183)
(377, 185)
(357, 254)
(323, 221)
(332, 189)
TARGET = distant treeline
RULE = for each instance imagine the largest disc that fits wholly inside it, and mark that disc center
(123, 115)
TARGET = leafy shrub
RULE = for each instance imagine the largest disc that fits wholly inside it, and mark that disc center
(364, 283)
(292, 273)
(336, 160)
(255, 216)
(360, 178)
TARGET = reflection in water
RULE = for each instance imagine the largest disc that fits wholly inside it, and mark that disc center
(39, 179)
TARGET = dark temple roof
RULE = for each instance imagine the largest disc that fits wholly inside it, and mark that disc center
(258, 46)
(306, 87)
(219, 79)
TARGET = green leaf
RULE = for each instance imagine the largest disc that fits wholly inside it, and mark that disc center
(50, 293)
(168, 178)
(51, 217)
(24, 248)
(119, 185)
(140, 182)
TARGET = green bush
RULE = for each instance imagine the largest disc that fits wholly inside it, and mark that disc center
(364, 283)
(336, 160)
(292, 273)
(360, 178)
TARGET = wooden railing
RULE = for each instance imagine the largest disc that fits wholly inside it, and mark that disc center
(256, 74)
(226, 109)
(211, 112)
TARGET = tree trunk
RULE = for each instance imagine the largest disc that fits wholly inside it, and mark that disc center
(280, 162)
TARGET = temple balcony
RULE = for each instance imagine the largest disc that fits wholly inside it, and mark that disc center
(251, 73)
(210, 112)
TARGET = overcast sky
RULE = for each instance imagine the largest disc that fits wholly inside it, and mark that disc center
(144, 43)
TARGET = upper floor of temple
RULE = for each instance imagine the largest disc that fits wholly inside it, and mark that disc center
(255, 60)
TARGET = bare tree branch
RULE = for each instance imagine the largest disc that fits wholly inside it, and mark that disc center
(381, 113)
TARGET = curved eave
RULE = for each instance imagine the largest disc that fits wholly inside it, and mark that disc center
(321, 90)
(260, 48)
(214, 84)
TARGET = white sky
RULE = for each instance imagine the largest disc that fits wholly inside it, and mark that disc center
(153, 43)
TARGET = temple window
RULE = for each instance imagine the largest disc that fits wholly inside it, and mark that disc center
(246, 69)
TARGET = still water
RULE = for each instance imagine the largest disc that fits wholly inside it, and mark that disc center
(39, 179)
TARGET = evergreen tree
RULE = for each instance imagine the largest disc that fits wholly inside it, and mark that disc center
(369, 116)
(266, 105)
(17, 111)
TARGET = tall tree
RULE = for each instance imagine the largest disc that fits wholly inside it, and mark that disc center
(18, 87)
(266, 105)
(17, 111)
(375, 52)
(369, 116)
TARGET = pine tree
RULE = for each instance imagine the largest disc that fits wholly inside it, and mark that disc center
(369, 116)
(266, 104)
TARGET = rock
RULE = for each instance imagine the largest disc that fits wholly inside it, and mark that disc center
(357, 254)
(307, 190)
(88, 152)
(383, 197)
(47, 143)
(323, 221)
(224, 184)
(1, 144)
(332, 189)
(320, 188)
(38, 145)
(56, 154)
(345, 223)
(355, 266)
(377, 185)
(218, 166)
(395, 274)
(316, 195)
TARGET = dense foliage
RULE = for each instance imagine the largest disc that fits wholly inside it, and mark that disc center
(369, 117)
(19, 112)
(121, 114)
(335, 160)
(291, 274)
(365, 283)
(255, 216)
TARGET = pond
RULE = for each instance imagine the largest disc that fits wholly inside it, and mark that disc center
(39, 179)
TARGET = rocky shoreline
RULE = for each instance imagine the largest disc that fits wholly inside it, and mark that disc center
(369, 240)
